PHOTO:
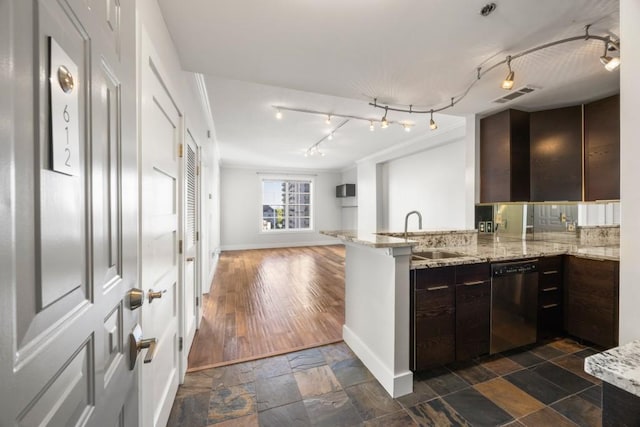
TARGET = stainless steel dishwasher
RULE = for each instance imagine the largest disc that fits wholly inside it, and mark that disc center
(514, 304)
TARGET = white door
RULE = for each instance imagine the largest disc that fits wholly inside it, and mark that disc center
(68, 231)
(190, 237)
(160, 139)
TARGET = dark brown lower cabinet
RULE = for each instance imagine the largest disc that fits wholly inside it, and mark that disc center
(451, 309)
(591, 300)
(433, 326)
(473, 310)
(550, 297)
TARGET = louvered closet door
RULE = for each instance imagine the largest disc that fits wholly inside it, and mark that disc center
(68, 231)
(191, 238)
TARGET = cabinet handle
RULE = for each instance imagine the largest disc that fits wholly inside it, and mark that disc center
(550, 272)
(550, 289)
(479, 282)
(549, 305)
(437, 288)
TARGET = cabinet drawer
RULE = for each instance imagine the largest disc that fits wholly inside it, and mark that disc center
(473, 273)
(552, 279)
(550, 263)
(549, 299)
(426, 278)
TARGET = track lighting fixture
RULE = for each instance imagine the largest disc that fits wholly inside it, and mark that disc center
(330, 137)
(384, 123)
(507, 83)
(407, 128)
(611, 63)
(328, 121)
(278, 114)
(371, 126)
(432, 123)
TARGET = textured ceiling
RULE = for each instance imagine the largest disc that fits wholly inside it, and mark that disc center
(337, 55)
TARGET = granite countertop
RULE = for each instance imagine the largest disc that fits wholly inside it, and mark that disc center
(489, 247)
(618, 366)
(369, 239)
(495, 249)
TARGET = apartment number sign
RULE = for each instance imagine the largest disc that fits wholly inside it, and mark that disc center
(65, 133)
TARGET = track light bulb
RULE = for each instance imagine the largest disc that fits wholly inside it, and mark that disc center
(384, 123)
(279, 114)
(328, 121)
(371, 126)
(507, 83)
(432, 123)
(611, 63)
(407, 128)
(330, 137)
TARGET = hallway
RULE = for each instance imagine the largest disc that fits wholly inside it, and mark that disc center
(268, 302)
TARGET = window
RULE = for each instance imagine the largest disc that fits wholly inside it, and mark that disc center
(286, 204)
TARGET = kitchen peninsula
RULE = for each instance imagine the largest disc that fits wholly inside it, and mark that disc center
(378, 292)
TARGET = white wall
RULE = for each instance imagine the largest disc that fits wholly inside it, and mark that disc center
(432, 182)
(241, 210)
(629, 171)
(349, 214)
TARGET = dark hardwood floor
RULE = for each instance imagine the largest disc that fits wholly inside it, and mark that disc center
(268, 302)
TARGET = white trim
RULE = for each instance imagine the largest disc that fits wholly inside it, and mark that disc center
(396, 385)
(278, 245)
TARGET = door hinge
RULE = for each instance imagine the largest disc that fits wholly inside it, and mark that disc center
(198, 301)
(179, 246)
(198, 169)
(197, 236)
(180, 344)
(180, 149)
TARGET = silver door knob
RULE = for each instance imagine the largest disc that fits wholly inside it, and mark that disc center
(137, 343)
(151, 295)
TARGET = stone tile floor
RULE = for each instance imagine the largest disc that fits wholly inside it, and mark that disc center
(328, 386)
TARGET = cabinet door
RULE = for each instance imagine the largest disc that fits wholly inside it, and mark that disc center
(434, 334)
(602, 149)
(473, 310)
(591, 306)
(473, 319)
(556, 154)
(504, 157)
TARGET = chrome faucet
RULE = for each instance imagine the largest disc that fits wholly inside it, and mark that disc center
(406, 222)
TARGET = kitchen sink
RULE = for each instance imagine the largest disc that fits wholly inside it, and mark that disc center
(436, 254)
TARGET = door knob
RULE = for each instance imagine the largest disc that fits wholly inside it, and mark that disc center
(135, 298)
(136, 344)
(154, 294)
(190, 259)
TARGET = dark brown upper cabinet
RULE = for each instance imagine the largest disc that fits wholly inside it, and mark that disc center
(602, 149)
(504, 157)
(556, 154)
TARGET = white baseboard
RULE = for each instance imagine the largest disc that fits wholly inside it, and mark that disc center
(278, 245)
(396, 384)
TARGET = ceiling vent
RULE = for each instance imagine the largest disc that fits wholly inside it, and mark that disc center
(515, 94)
